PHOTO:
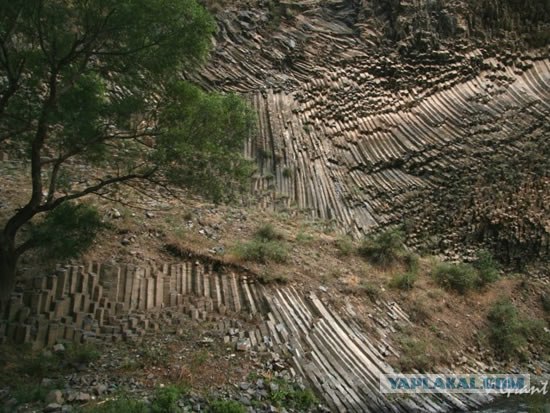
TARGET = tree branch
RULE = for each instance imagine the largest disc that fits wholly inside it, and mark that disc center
(38, 142)
(13, 78)
(126, 204)
(94, 189)
(13, 133)
(53, 178)
(167, 189)
(24, 247)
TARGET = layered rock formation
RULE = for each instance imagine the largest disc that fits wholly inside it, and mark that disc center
(371, 132)
(328, 347)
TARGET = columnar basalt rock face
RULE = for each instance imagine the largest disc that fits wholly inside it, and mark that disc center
(366, 135)
(95, 301)
(326, 346)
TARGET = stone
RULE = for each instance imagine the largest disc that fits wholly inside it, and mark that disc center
(206, 341)
(59, 348)
(54, 397)
(99, 389)
(243, 344)
(53, 407)
(245, 401)
(82, 397)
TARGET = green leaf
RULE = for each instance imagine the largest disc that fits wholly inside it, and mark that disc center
(66, 231)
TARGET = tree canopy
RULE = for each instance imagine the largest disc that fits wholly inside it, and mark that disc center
(100, 83)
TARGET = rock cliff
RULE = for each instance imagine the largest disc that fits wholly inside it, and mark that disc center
(428, 114)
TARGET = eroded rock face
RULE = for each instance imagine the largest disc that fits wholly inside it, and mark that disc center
(374, 114)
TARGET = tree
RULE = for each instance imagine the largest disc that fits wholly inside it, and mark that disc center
(99, 83)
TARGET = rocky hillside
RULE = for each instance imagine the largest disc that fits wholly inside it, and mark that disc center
(428, 115)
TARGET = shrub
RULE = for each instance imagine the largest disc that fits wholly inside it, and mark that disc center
(403, 281)
(82, 353)
(414, 355)
(79, 224)
(262, 251)
(267, 233)
(30, 392)
(304, 238)
(371, 290)
(505, 329)
(226, 406)
(166, 400)
(344, 245)
(264, 247)
(38, 366)
(411, 261)
(383, 249)
(290, 395)
(418, 312)
(508, 332)
(268, 277)
(303, 399)
(486, 267)
(459, 277)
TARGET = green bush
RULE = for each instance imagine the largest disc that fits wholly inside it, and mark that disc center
(82, 353)
(226, 406)
(267, 233)
(344, 245)
(290, 395)
(269, 277)
(166, 400)
(384, 249)
(505, 329)
(30, 392)
(266, 246)
(411, 261)
(262, 251)
(418, 312)
(460, 277)
(509, 333)
(414, 355)
(403, 281)
(79, 224)
(371, 290)
(304, 238)
(304, 399)
(487, 268)
(39, 365)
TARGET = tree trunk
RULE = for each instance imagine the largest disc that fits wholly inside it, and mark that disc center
(8, 264)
